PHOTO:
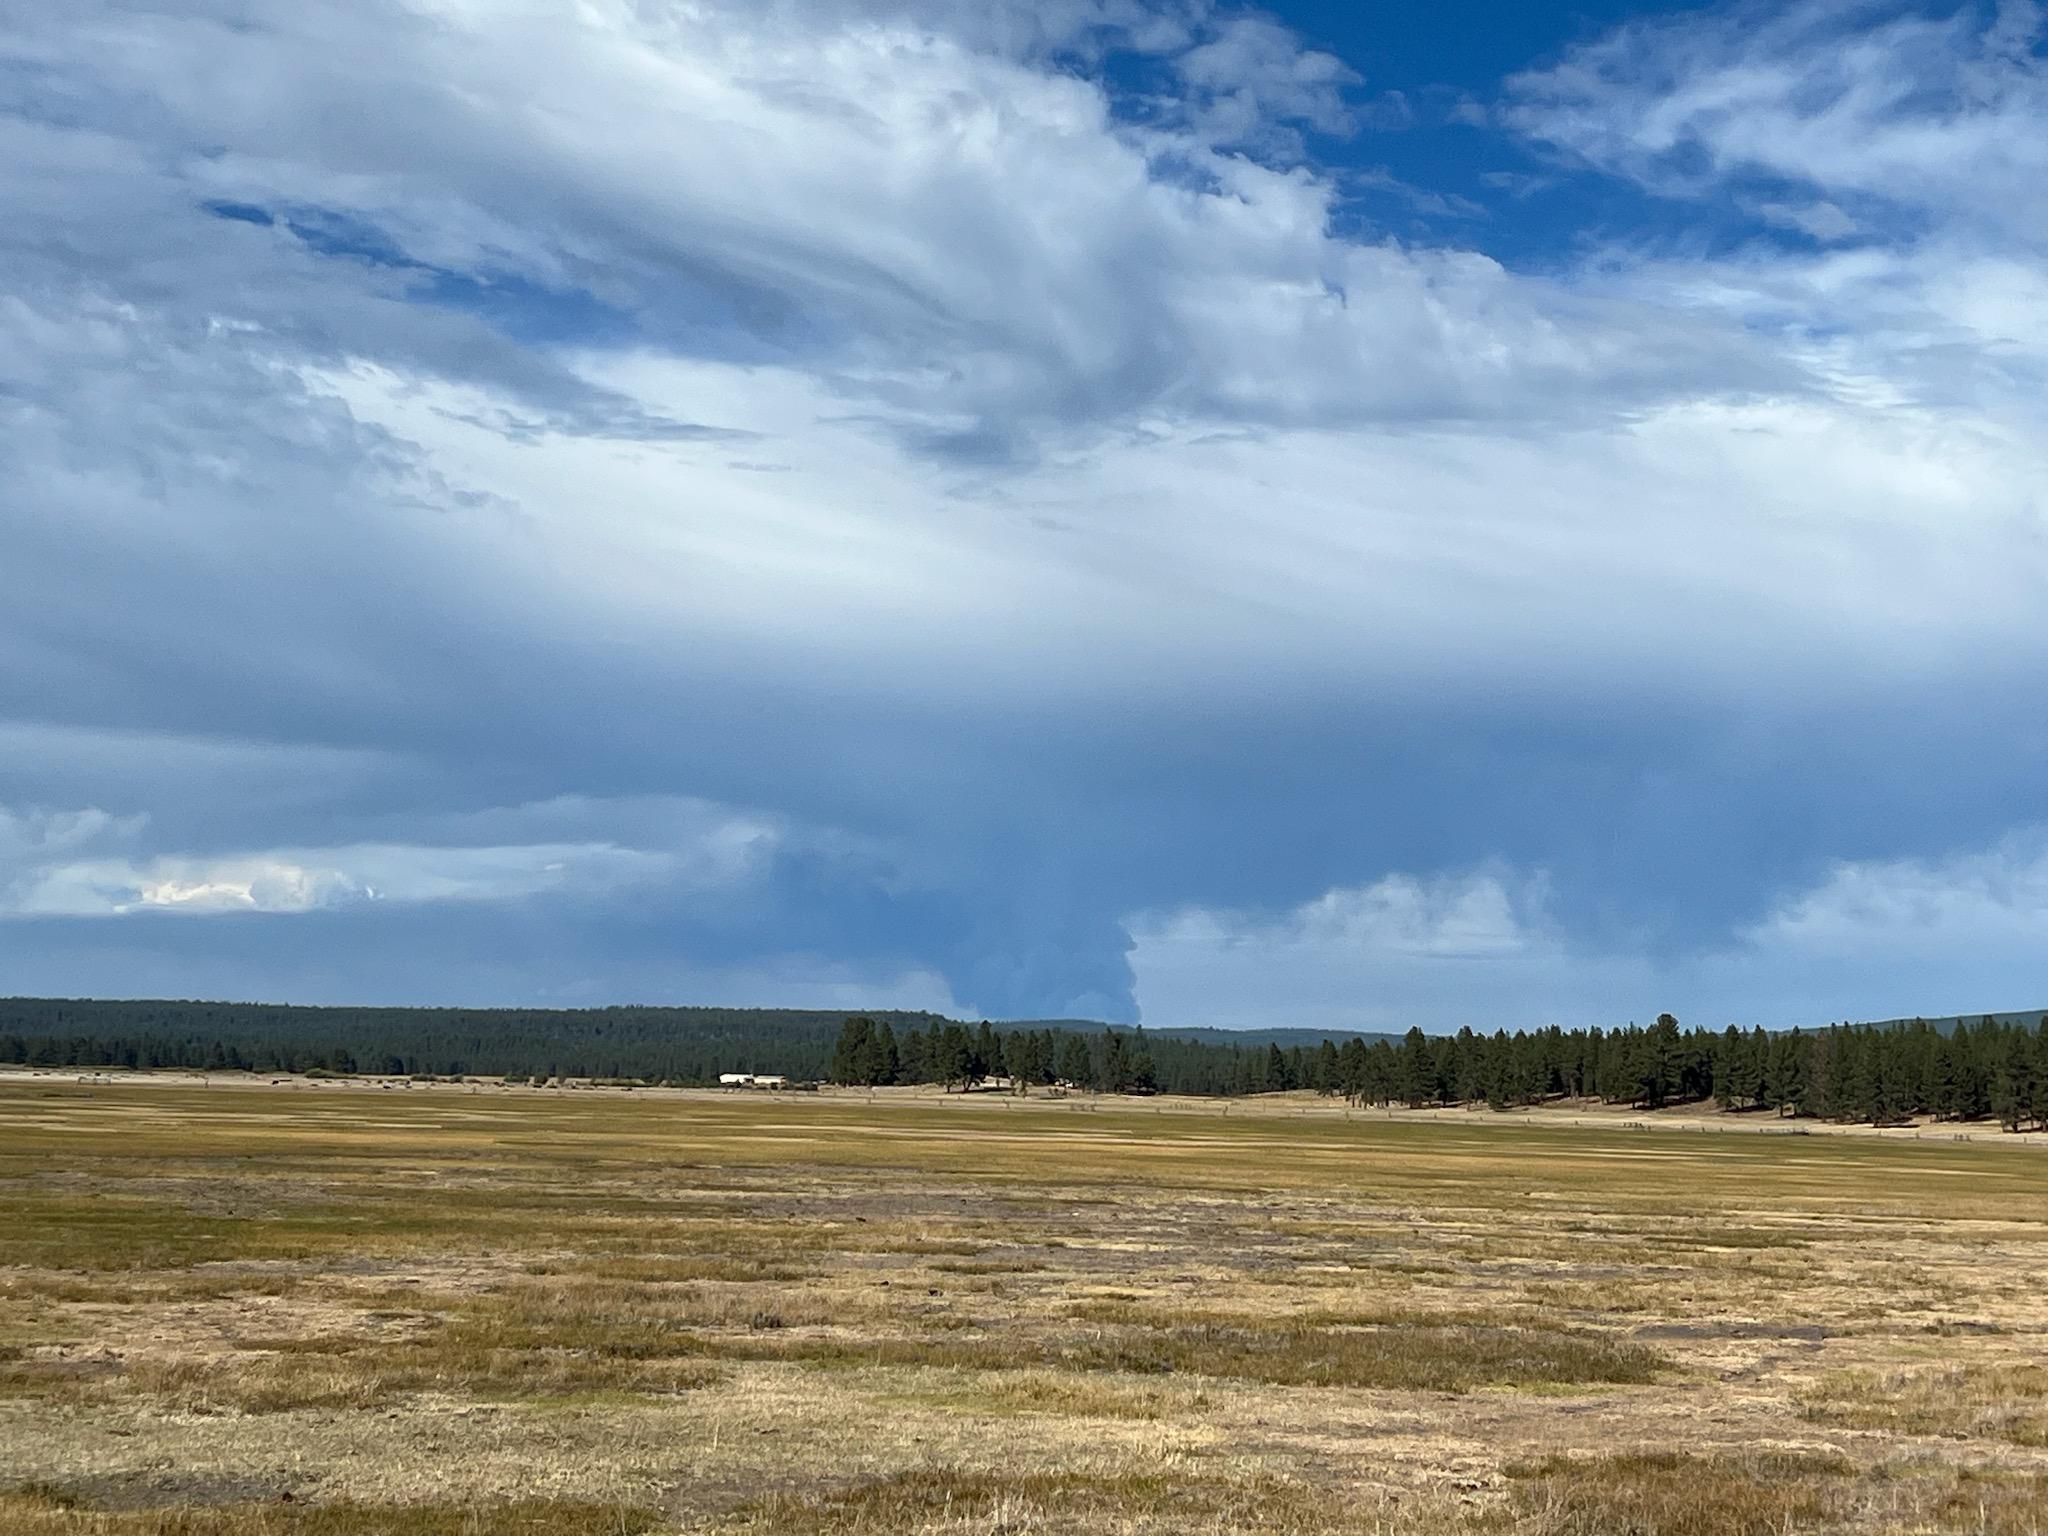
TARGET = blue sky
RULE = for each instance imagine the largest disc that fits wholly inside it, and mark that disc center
(1339, 516)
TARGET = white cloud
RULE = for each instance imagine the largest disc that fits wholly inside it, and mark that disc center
(1822, 220)
(877, 194)
(232, 885)
(1471, 917)
(76, 864)
(1935, 113)
(963, 242)
(1989, 902)
(1866, 939)
(1400, 950)
(1922, 140)
(796, 404)
(1253, 76)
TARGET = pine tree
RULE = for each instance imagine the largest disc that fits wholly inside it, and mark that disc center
(1115, 1074)
(1418, 1070)
(953, 1058)
(1324, 1074)
(1144, 1072)
(1278, 1077)
(850, 1055)
(884, 1062)
(1075, 1068)
(1353, 1068)
(1658, 1065)
(1729, 1068)
(1044, 1057)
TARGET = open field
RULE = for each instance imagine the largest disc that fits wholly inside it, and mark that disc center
(1686, 1118)
(295, 1310)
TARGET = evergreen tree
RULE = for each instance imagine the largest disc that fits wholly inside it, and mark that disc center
(1075, 1067)
(953, 1058)
(1114, 1074)
(1324, 1074)
(1418, 1069)
(884, 1062)
(1278, 1077)
(1728, 1073)
(1658, 1063)
(1144, 1073)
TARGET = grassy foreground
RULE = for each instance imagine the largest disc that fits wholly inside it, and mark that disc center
(304, 1312)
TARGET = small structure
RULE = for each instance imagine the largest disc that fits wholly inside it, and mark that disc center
(752, 1080)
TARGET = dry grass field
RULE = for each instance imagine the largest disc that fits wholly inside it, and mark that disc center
(298, 1311)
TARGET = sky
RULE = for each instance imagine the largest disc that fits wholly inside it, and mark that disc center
(1334, 516)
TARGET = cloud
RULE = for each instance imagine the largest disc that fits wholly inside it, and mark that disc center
(1822, 220)
(1958, 931)
(1440, 951)
(33, 833)
(646, 897)
(1912, 142)
(1461, 918)
(74, 864)
(963, 243)
(1994, 900)
(1863, 939)
(387, 509)
(1253, 77)
(1928, 114)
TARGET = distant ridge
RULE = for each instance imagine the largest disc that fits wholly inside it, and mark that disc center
(1286, 1039)
(1207, 1034)
(708, 1024)
(1948, 1022)
(44, 1014)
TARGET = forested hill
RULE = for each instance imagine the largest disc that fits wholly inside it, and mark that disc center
(1205, 1034)
(653, 1044)
(666, 1044)
(1286, 1039)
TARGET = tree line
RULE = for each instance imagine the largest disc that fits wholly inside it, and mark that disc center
(677, 1045)
(869, 1053)
(1880, 1075)
(1995, 1069)
(1874, 1074)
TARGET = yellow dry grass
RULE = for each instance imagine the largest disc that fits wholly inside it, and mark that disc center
(312, 1312)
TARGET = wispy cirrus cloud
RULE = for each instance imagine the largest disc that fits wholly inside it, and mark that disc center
(1932, 117)
(969, 244)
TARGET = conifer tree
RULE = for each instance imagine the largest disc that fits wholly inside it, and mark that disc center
(1075, 1067)
(1418, 1069)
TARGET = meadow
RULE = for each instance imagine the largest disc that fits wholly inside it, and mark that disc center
(311, 1309)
